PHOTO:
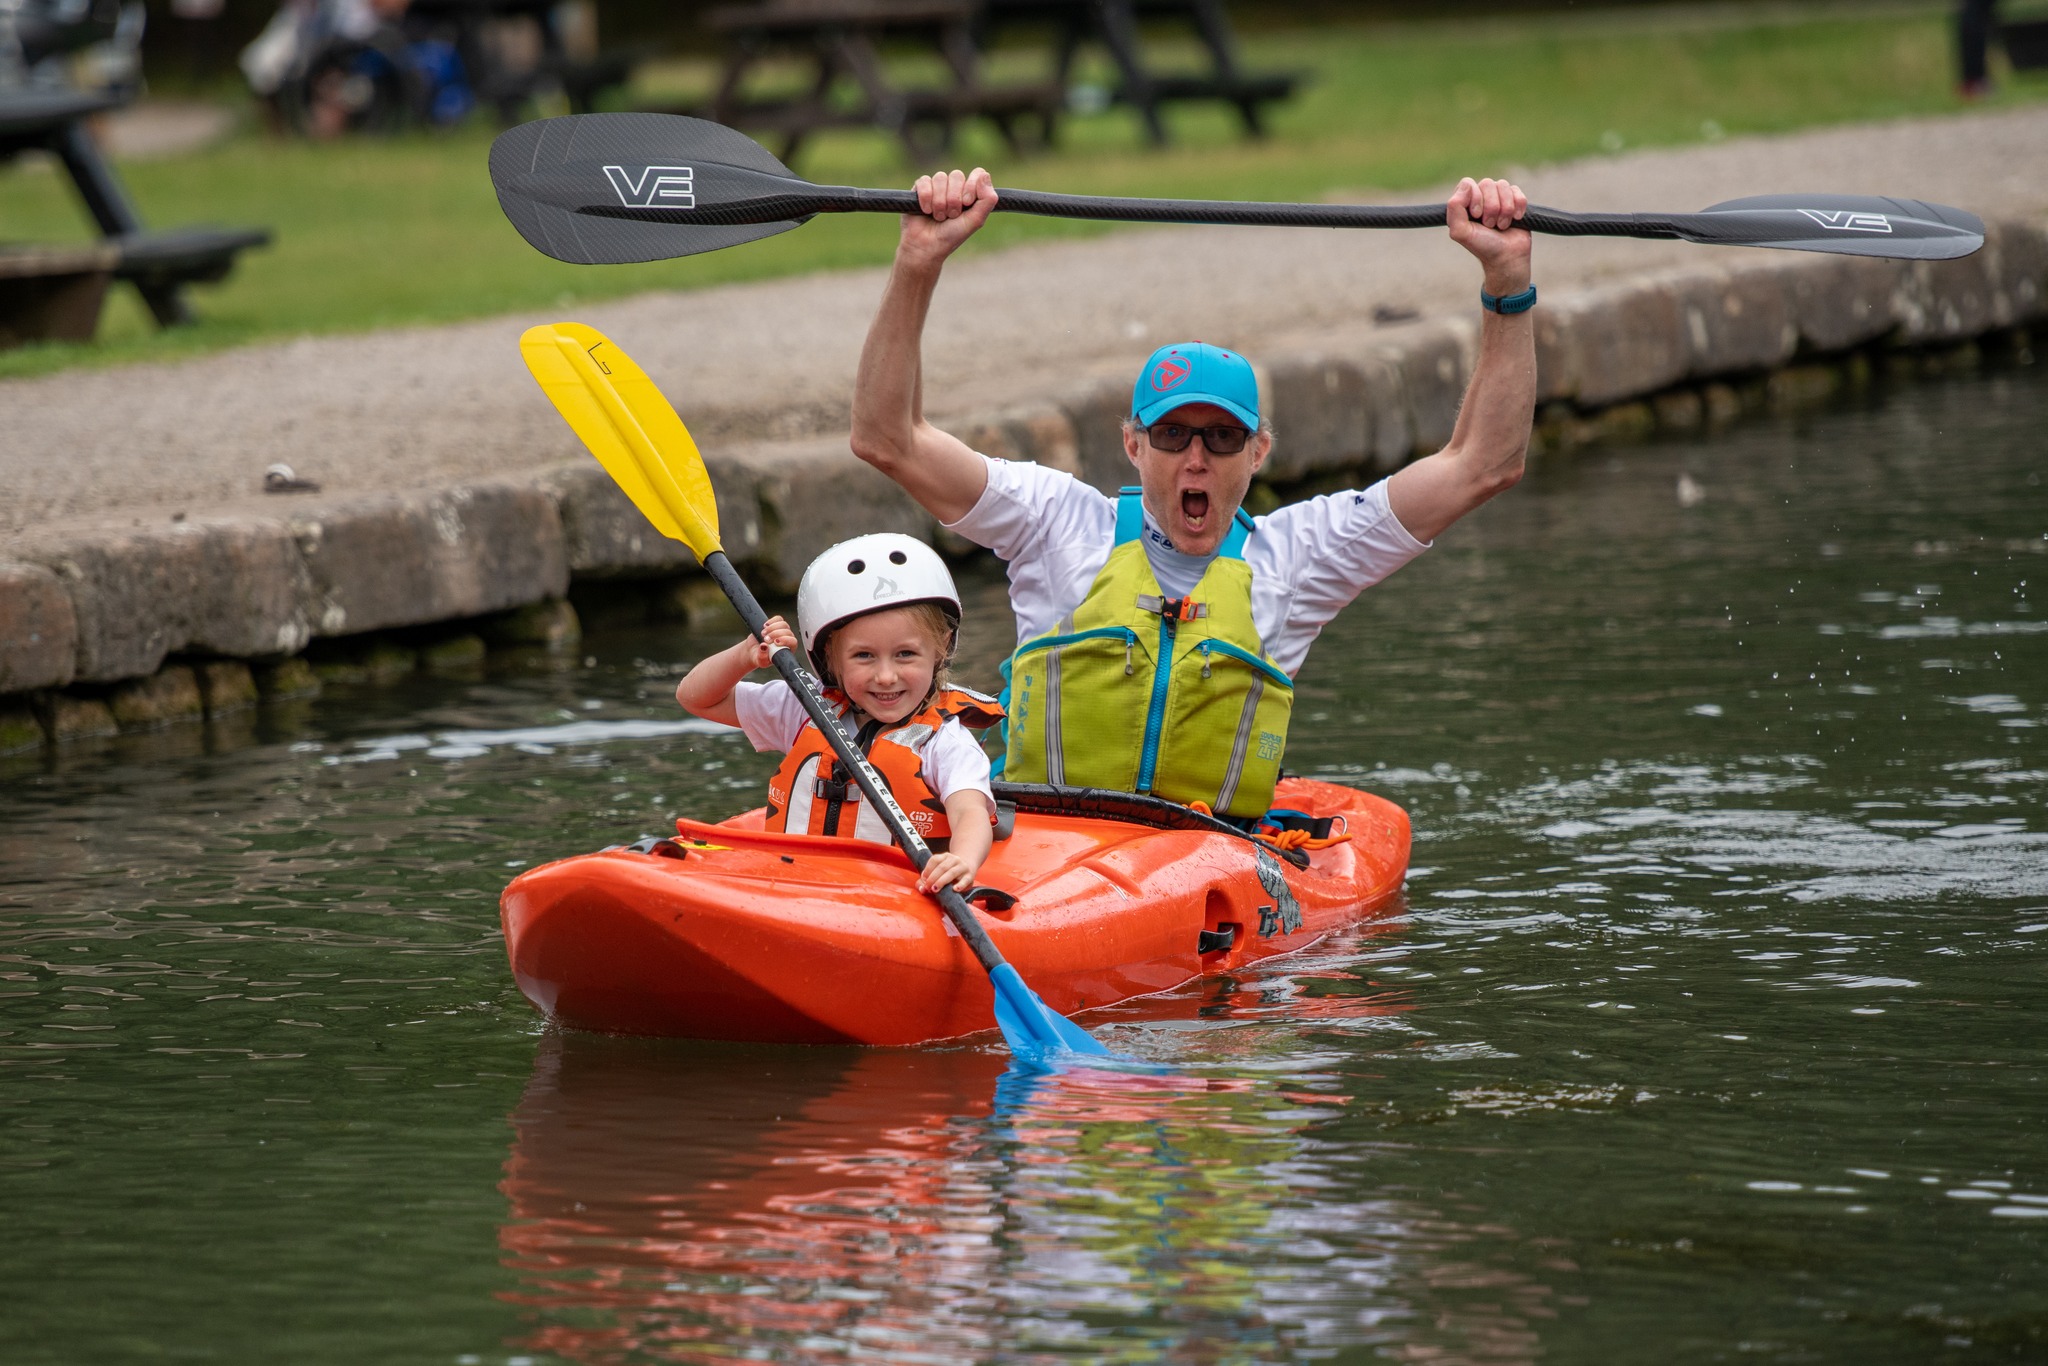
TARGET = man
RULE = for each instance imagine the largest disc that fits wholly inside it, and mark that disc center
(1159, 631)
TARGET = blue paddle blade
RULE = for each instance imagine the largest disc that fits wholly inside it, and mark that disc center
(1037, 1034)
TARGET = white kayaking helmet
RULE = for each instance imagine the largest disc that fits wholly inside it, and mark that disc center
(869, 574)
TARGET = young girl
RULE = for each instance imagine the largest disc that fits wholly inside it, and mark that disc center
(880, 617)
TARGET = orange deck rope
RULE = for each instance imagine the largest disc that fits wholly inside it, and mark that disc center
(1287, 839)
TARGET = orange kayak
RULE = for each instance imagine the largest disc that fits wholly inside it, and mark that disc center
(729, 931)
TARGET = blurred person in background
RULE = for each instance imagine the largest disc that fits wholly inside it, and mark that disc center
(1974, 21)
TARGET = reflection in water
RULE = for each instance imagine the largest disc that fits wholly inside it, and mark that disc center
(675, 1202)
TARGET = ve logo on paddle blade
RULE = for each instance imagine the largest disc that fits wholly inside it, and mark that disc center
(656, 187)
(1845, 220)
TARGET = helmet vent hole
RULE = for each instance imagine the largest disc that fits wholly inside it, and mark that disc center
(898, 557)
(856, 566)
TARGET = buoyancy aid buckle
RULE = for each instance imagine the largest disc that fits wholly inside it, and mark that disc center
(1173, 609)
(836, 789)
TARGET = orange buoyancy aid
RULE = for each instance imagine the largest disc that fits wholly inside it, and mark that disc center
(812, 793)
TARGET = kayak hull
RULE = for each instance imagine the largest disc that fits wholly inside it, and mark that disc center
(734, 932)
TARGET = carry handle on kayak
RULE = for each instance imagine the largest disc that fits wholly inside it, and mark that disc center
(635, 434)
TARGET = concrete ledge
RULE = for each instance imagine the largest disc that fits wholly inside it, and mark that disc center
(1735, 321)
(1095, 411)
(605, 536)
(1433, 362)
(1679, 348)
(1326, 405)
(406, 559)
(1614, 343)
(1840, 302)
(816, 493)
(228, 586)
(1043, 433)
(38, 630)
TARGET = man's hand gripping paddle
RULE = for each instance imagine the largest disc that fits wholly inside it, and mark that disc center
(603, 189)
(635, 434)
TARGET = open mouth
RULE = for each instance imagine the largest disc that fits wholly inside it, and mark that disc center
(1194, 508)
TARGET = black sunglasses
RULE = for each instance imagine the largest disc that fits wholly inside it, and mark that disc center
(1175, 436)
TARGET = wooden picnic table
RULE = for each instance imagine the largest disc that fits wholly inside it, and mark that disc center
(1115, 25)
(158, 264)
(53, 293)
(841, 41)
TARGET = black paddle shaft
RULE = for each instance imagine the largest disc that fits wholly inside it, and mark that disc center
(600, 189)
(879, 797)
(799, 204)
(1840, 224)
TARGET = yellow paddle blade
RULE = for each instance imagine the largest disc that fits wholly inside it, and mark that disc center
(611, 404)
(542, 348)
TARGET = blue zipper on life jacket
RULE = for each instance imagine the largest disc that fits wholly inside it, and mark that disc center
(1123, 633)
(1155, 714)
(1224, 647)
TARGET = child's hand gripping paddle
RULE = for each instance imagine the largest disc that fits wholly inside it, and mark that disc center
(635, 434)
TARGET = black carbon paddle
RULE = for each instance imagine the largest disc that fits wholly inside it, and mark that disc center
(606, 189)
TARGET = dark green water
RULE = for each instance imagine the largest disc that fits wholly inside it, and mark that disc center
(1711, 1028)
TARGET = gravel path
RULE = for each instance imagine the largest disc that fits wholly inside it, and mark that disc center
(432, 405)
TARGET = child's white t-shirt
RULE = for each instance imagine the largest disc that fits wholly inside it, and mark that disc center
(771, 717)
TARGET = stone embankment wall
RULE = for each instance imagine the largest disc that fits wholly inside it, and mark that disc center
(104, 630)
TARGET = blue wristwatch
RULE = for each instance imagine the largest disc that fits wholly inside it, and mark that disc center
(1508, 303)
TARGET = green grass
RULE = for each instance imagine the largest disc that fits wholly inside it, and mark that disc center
(379, 234)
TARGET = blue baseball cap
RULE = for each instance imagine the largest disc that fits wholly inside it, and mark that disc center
(1195, 372)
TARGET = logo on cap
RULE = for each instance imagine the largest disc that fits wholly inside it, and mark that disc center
(1171, 373)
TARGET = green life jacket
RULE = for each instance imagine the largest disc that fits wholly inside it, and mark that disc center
(1144, 693)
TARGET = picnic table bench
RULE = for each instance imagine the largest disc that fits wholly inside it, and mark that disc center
(1114, 24)
(841, 40)
(158, 264)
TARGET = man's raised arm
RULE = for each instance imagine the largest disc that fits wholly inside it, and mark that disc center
(1491, 440)
(889, 430)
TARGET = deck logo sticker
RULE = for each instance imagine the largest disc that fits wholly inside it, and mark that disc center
(1846, 220)
(1284, 916)
(655, 187)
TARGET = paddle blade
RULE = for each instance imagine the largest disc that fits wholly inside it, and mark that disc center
(607, 189)
(630, 426)
(559, 380)
(1844, 224)
(1038, 1035)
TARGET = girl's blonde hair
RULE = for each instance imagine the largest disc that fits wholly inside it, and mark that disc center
(937, 625)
